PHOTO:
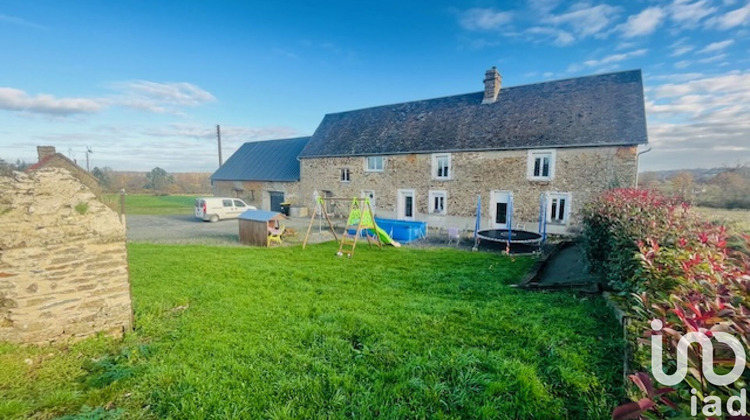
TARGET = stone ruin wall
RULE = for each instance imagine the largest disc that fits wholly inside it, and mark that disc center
(63, 261)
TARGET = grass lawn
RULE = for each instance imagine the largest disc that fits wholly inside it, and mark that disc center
(737, 218)
(153, 204)
(287, 333)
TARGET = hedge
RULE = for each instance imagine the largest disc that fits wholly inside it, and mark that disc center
(671, 265)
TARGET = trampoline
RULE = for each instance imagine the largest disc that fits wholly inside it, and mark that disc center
(520, 237)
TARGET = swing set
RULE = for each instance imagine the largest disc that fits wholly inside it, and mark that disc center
(361, 222)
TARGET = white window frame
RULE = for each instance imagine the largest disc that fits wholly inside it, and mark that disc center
(401, 203)
(347, 172)
(371, 195)
(435, 168)
(533, 155)
(374, 169)
(495, 196)
(433, 194)
(568, 197)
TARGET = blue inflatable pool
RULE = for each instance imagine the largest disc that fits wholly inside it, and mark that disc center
(403, 230)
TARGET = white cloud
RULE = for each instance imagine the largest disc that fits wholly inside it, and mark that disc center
(615, 58)
(585, 20)
(142, 95)
(701, 114)
(689, 14)
(479, 19)
(682, 50)
(229, 134)
(165, 93)
(543, 6)
(18, 100)
(561, 37)
(673, 78)
(733, 82)
(713, 58)
(644, 23)
(683, 64)
(625, 45)
(581, 20)
(731, 19)
(192, 147)
(717, 46)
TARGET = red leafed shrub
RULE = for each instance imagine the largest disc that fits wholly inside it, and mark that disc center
(679, 270)
(617, 221)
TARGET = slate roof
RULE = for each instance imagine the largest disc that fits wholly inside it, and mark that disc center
(260, 215)
(270, 160)
(600, 110)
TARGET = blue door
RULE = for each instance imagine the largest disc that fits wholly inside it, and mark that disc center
(277, 197)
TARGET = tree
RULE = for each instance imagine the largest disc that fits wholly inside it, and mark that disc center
(5, 168)
(158, 179)
(104, 176)
(734, 189)
(21, 165)
(683, 185)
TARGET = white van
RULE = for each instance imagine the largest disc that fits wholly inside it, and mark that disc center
(213, 209)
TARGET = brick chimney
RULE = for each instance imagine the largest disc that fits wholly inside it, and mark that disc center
(44, 151)
(492, 82)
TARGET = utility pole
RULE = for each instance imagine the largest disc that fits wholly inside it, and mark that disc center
(88, 151)
(218, 137)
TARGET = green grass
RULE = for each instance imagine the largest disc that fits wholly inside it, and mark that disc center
(738, 219)
(153, 204)
(287, 333)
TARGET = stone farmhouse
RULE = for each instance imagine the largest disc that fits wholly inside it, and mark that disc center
(263, 173)
(539, 149)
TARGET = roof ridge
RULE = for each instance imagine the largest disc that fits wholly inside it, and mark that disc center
(481, 92)
(277, 140)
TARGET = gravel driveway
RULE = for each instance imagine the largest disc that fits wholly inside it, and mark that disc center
(186, 229)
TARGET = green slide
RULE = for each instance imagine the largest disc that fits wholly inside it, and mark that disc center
(384, 238)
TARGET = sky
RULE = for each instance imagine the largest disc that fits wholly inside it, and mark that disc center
(144, 83)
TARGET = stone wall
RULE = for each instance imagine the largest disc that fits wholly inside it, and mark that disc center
(63, 260)
(257, 193)
(582, 172)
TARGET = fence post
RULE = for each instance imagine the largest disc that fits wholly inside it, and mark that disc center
(122, 205)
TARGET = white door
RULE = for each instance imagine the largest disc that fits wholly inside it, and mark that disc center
(406, 205)
(500, 209)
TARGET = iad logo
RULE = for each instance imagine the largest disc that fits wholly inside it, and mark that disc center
(713, 404)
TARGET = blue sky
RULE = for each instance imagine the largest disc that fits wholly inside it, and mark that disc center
(144, 83)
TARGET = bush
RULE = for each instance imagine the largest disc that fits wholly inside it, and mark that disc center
(680, 271)
(616, 221)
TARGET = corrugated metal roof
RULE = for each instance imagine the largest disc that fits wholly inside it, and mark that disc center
(600, 110)
(270, 160)
(260, 215)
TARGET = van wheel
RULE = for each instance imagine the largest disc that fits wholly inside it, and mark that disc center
(214, 218)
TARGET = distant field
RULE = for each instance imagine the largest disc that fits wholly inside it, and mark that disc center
(738, 219)
(153, 204)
